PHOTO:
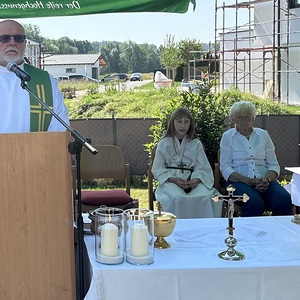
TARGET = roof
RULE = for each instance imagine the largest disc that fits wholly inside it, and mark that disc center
(74, 59)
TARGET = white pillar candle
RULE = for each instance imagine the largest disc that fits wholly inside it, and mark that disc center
(139, 239)
(109, 239)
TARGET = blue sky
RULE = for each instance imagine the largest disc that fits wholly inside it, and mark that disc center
(151, 28)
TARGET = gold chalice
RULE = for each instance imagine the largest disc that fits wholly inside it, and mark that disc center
(164, 223)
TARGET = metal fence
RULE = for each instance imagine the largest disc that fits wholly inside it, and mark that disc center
(131, 135)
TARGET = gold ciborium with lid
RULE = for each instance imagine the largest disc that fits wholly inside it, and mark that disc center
(164, 223)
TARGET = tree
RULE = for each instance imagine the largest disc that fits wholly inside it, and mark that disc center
(67, 46)
(84, 47)
(129, 57)
(110, 51)
(174, 55)
(33, 33)
(50, 46)
(132, 57)
(184, 49)
(123, 57)
(151, 57)
(169, 55)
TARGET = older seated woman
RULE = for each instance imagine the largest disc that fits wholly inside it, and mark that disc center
(248, 162)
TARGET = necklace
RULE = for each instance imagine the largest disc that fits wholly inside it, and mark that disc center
(178, 152)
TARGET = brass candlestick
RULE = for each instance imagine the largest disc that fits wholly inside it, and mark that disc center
(231, 241)
(164, 223)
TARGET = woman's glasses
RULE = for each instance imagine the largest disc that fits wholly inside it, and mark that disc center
(18, 38)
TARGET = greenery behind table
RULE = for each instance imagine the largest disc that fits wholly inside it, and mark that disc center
(210, 111)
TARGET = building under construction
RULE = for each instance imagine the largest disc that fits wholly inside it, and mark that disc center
(259, 47)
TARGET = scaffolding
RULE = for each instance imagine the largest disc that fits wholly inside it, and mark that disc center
(255, 49)
(201, 64)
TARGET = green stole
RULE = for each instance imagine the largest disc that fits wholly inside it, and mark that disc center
(40, 85)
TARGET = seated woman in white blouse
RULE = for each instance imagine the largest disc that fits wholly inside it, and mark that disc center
(248, 162)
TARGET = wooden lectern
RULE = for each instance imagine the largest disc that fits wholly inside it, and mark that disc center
(36, 224)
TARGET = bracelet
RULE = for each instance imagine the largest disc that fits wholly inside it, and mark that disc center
(269, 180)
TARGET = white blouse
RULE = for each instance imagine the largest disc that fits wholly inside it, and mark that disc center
(251, 158)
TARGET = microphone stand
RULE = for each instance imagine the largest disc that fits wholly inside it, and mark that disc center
(74, 147)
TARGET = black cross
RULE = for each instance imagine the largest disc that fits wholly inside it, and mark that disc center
(181, 165)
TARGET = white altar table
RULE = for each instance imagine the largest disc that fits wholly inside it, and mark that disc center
(294, 186)
(192, 270)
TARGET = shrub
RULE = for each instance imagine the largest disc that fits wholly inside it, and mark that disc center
(209, 114)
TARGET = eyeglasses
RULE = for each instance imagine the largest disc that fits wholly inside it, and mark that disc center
(18, 38)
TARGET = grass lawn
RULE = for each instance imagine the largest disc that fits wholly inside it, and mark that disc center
(294, 109)
(141, 195)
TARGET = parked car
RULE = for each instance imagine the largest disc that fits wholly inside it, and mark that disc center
(82, 77)
(136, 77)
(115, 77)
(74, 77)
(62, 78)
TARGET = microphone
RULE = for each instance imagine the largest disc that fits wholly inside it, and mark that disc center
(12, 67)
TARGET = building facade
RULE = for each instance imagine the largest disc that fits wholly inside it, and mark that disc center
(260, 52)
(67, 64)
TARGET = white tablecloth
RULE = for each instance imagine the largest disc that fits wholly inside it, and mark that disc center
(192, 270)
(294, 186)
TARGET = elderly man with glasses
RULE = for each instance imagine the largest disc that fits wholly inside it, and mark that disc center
(20, 111)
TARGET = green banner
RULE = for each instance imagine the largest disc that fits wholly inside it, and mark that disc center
(36, 8)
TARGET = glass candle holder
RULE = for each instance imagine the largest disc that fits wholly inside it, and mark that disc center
(109, 235)
(139, 236)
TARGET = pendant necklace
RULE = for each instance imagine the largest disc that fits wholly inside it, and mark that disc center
(178, 152)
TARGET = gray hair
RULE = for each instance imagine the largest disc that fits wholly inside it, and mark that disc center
(242, 106)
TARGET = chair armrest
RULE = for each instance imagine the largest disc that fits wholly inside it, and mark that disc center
(151, 195)
(127, 178)
(217, 177)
